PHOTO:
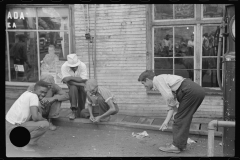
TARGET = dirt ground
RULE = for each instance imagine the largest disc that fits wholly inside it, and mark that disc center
(89, 140)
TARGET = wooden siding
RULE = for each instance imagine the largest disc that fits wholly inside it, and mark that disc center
(122, 55)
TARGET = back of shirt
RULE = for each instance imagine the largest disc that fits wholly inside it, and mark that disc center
(20, 110)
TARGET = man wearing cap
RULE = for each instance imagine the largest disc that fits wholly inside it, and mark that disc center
(74, 73)
(50, 105)
(101, 103)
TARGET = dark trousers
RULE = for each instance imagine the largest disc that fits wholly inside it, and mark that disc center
(77, 97)
(52, 110)
(190, 96)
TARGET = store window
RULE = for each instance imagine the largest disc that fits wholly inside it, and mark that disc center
(209, 56)
(33, 35)
(174, 50)
(187, 48)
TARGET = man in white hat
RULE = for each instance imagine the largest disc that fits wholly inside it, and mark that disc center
(74, 74)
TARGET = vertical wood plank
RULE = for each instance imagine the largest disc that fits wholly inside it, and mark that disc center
(149, 54)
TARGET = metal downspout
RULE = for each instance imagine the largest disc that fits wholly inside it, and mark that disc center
(211, 128)
(88, 31)
(95, 62)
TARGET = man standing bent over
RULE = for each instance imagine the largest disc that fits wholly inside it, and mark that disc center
(101, 103)
(176, 89)
(25, 112)
(74, 74)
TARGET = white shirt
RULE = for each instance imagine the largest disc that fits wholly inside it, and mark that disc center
(80, 72)
(167, 84)
(20, 110)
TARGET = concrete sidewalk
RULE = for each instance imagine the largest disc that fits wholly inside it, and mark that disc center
(199, 126)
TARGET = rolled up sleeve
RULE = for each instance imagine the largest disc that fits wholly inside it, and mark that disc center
(166, 92)
(83, 73)
(64, 70)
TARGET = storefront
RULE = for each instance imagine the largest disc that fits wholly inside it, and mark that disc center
(124, 41)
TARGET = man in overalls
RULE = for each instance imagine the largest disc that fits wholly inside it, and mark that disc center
(100, 103)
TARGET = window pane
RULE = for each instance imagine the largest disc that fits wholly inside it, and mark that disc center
(212, 10)
(184, 11)
(159, 71)
(210, 63)
(184, 41)
(184, 66)
(184, 73)
(53, 18)
(163, 42)
(6, 61)
(21, 18)
(209, 78)
(23, 51)
(163, 66)
(163, 11)
(209, 41)
(59, 40)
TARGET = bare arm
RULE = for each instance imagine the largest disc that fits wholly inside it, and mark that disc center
(76, 83)
(74, 79)
(112, 109)
(36, 115)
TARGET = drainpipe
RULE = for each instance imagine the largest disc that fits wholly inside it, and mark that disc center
(211, 128)
(95, 62)
(88, 31)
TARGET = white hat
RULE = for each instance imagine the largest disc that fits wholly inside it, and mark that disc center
(72, 60)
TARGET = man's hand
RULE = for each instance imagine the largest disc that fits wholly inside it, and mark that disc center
(48, 100)
(97, 119)
(163, 126)
(66, 79)
(92, 119)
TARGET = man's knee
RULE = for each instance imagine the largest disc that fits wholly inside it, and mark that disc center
(84, 113)
(116, 110)
(72, 87)
(44, 124)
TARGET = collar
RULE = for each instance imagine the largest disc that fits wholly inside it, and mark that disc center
(69, 69)
(154, 86)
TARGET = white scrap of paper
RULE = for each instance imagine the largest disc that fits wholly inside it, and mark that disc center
(189, 141)
(140, 135)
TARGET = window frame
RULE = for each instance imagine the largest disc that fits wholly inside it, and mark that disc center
(70, 31)
(198, 22)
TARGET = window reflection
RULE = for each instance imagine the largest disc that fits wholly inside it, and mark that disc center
(163, 42)
(23, 56)
(209, 78)
(21, 18)
(59, 40)
(213, 10)
(184, 11)
(163, 11)
(52, 18)
(184, 41)
(210, 40)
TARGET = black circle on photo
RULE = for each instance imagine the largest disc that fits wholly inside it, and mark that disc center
(19, 136)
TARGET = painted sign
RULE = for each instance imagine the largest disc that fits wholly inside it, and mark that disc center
(14, 15)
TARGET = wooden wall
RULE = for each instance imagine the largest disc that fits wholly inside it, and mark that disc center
(121, 57)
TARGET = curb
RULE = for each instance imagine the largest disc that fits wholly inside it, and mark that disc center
(77, 121)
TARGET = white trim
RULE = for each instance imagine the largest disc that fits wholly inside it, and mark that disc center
(26, 84)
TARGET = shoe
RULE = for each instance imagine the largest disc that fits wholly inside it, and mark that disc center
(72, 116)
(169, 144)
(170, 149)
(52, 127)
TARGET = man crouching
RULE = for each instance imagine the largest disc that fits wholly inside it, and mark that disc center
(100, 103)
(25, 112)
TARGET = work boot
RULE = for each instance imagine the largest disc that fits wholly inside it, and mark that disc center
(72, 115)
